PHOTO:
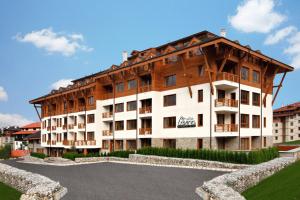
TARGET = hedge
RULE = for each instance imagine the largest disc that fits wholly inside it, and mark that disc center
(121, 154)
(252, 157)
(5, 152)
(38, 155)
(73, 155)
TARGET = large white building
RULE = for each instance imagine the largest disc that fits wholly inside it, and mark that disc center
(202, 91)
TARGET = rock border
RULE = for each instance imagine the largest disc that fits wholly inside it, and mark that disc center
(33, 186)
(230, 186)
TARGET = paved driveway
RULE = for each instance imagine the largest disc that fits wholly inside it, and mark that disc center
(113, 181)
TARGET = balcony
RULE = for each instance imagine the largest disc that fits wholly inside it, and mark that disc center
(226, 128)
(48, 128)
(81, 108)
(228, 77)
(53, 128)
(145, 88)
(68, 142)
(145, 131)
(147, 109)
(226, 102)
(85, 142)
(53, 142)
(71, 126)
(108, 95)
(107, 115)
(107, 132)
(48, 142)
(81, 125)
(64, 127)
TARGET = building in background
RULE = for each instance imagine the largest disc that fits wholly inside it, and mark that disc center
(19, 136)
(6, 136)
(201, 91)
(286, 123)
(34, 142)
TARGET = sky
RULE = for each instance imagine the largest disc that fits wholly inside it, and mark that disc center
(45, 44)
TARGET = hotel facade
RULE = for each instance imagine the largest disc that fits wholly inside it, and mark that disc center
(201, 91)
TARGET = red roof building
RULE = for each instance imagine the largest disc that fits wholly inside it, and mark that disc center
(27, 130)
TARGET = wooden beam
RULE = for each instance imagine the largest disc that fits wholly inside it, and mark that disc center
(38, 113)
(228, 54)
(207, 66)
(270, 85)
(279, 87)
(187, 78)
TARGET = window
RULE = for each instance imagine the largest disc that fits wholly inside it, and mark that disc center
(119, 125)
(292, 138)
(201, 70)
(245, 73)
(90, 136)
(265, 141)
(292, 131)
(105, 144)
(65, 105)
(265, 122)
(169, 122)
(244, 121)
(255, 99)
(120, 87)
(131, 124)
(299, 135)
(200, 120)
(292, 124)
(170, 80)
(199, 143)
(119, 107)
(255, 121)
(244, 97)
(90, 118)
(200, 95)
(91, 100)
(276, 124)
(255, 76)
(276, 131)
(132, 84)
(299, 128)
(131, 105)
(276, 138)
(170, 100)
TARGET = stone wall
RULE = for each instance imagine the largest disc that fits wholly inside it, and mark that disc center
(195, 163)
(229, 186)
(186, 143)
(99, 159)
(33, 186)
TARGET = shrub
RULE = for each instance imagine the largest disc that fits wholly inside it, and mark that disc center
(252, 157)
(121, 154)
(72, 155)
(5, 152)
(38, 155)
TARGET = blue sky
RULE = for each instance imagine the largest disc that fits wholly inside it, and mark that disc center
(42, 42)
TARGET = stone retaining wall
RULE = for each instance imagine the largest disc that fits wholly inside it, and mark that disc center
(195, 163)
(99, 159)
(229, 186)
(33, 186)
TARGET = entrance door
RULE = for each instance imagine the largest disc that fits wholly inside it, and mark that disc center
(245, 143)
(220, 119)
(232, 118)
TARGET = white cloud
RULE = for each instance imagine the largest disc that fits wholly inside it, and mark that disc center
(61, 83)
(279, 35)
(3, 94)
(256, 16)
(53, 42)
(13, 120)
(294, 49)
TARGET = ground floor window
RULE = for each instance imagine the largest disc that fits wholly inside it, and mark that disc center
(146, 142)
(130, 144)
(200, 143)
(119, 145)
(245, 143)
(105, 144)
(169, 143)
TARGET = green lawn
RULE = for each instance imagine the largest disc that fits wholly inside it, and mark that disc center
(293, 142)
(9, 193)
(283, 185)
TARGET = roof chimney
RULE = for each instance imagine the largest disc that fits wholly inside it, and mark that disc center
(223, 32)
(124, 56)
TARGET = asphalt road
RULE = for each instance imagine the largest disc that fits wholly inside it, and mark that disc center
(113, 181)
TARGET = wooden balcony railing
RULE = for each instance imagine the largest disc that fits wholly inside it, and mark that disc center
(48, 142)
(227, 76)
(48, 128)
(226, 128)
(107, 132)
(145, 110)
(53, 142)
(244, 125)
(226, 102)
(81, 108)
(91, 142)
(145, 88)
(64, 127)
(145, 131)
(71, 126)
(68, 142)
(53, 128)
(81, 125)
(85, 142)
(107, 115)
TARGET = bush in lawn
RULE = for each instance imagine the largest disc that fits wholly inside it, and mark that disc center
(38, 155)
(5, 152)
(252, 157)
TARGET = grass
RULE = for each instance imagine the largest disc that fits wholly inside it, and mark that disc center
(9, 193)
(293, 142)
(283, 185)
